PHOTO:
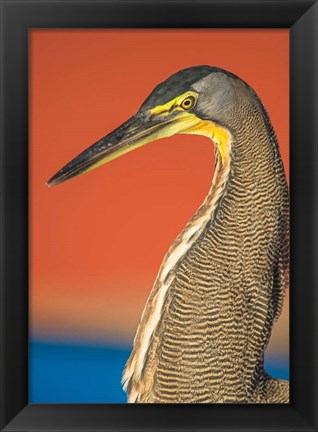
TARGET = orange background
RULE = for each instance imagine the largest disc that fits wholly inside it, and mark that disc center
(96, 242)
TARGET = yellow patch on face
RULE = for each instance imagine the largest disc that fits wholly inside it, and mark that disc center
(189, 123)
(174, 103)
(216, 133)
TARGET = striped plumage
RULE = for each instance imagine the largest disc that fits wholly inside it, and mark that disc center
(228, 289)
(221, 286)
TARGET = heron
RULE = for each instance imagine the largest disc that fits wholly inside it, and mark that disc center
(221, 286)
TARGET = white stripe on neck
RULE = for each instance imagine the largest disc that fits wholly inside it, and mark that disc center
(177, 251)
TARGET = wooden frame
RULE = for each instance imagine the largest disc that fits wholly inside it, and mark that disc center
(300, 16)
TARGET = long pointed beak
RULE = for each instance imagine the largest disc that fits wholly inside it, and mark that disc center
(135, 132)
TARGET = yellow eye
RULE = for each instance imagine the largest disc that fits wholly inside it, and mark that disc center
(188, 102)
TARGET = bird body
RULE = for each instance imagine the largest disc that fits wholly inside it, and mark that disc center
(221, 286)
(219, 306)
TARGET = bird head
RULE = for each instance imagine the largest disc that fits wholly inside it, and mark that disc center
(192, 101)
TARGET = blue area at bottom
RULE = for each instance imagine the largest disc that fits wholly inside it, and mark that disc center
(76, 374)
(61, 373)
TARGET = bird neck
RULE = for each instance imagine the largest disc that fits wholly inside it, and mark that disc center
(153, 310)
(237, 166)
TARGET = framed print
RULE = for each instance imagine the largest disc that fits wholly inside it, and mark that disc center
(79, 259)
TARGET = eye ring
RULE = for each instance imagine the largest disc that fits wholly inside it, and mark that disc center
(188, 103)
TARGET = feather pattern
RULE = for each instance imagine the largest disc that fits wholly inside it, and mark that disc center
(222, 294)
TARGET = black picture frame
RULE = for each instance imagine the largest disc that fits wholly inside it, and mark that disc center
(17, 17)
